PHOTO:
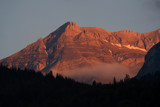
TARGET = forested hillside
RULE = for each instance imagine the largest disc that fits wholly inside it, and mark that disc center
(27, 88)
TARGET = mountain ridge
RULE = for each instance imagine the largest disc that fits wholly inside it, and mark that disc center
(71, 47)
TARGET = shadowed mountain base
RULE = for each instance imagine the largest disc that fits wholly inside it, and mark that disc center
(26, 88)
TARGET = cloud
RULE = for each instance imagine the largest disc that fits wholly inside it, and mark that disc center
(103, 73)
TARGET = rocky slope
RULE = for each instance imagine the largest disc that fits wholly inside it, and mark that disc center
(151, 67)
(71, 47)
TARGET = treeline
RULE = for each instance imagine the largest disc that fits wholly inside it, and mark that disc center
(27, 88)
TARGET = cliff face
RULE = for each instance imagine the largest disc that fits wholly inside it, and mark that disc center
(71, 47)
(34, 56)
(151, 65)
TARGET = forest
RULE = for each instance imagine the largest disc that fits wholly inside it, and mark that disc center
(27, 88)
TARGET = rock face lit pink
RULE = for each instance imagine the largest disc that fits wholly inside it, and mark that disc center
(71, 47)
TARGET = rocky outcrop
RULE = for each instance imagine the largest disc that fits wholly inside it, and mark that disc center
(151, 67)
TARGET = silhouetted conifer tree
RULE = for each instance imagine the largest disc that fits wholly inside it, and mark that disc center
(127, 78)
(114, 80)
(94, 83)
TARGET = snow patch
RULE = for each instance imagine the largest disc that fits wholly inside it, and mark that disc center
(106, 41)
(127, 46)
(45, 49)
(44, 46)
(119, 45)
(133, 47)
(110, 51)
(46, 52)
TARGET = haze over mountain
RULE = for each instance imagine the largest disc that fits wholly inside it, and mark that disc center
(86, 53)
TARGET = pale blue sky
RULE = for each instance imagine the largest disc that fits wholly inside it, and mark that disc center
(24, 21)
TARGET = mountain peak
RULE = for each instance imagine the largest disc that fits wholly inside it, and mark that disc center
(158, 30)
(71, 48)
(70, 23)
(40, 39)
(70, 26)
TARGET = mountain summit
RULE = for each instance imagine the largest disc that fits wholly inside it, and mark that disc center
(69, 27)
(72, 51)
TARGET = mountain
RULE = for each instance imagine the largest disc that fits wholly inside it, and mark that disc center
(151, 67)
(79, 52)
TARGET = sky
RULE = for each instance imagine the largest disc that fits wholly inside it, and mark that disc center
(24, 21)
